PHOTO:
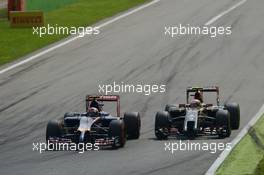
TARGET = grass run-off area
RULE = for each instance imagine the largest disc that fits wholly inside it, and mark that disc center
(247, 158)
(17, 42)
(47, 5)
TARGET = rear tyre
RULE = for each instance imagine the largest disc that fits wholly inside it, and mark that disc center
(162, 125)
(223, 122)
(117, 130)
(234, 110)
(132, 123)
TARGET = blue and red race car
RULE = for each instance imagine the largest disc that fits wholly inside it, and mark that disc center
(95, 125)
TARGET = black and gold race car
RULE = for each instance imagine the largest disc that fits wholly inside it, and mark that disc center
(197, 117)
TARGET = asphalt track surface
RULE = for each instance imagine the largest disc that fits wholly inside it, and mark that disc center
(134, 50)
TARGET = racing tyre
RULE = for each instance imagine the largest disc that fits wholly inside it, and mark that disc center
(223, 121)
(162, 125)
(117, 130)
(234, 110)
(168, 106)
(53, 129)
(132, 124)
(176, 112)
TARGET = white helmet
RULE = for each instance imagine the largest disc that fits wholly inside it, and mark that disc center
(195, 103)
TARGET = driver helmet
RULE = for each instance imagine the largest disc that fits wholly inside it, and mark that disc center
(198, 96)
(195, 103)
(97, 105)
(93, 112)
(94, 104)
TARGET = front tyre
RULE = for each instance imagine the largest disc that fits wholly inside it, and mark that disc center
(162, 125)
(117, 130)
(223, 123)
(234, 110)
(53, 130)
(133, 124)
(168, 106)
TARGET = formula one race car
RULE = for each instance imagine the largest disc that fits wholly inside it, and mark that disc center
(95, 125)
(196, 118)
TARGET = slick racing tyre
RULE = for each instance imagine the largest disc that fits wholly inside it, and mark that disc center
(117, 130)
(53, 130)
(176, 112)
(168, 106)
(132, 123)
(162, 125)
(234, 110)
(223, 122)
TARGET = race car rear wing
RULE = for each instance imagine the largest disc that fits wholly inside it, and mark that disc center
(203, 89)
(104, 98)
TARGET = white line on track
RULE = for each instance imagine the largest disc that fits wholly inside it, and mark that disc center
(212, 170)
(234, 142)
(76, 37)
(211, 21)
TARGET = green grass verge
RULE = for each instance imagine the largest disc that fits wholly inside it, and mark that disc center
(15, 42)
(47, 5)
(247, 157)
(260, 168)
(3, 13)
